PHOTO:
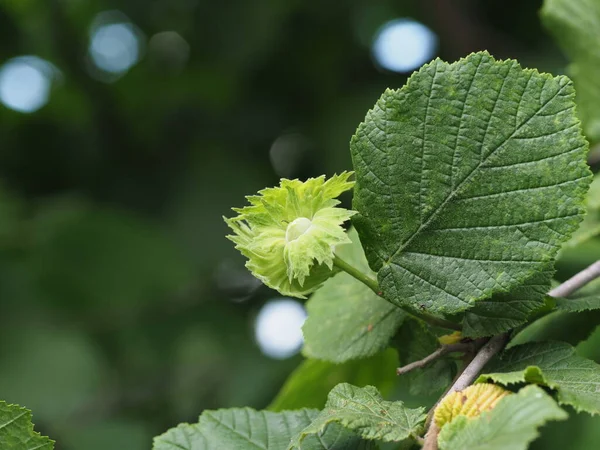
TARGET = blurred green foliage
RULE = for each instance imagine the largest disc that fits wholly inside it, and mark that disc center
(125, 311)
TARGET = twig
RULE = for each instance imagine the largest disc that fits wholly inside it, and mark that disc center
(577, 281)
(441, 351)
(497, 343)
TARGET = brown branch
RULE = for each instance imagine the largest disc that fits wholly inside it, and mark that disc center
(577, 281)
(497, 343)
(441, 351)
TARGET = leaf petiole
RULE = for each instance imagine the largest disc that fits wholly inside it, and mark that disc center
(374, 286)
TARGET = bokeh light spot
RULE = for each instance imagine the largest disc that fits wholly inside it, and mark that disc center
(169, 51)
(25, 83)
(114, 43)
(403, 45)
(278, 328)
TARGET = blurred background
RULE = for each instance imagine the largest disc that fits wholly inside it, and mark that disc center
(128, 129)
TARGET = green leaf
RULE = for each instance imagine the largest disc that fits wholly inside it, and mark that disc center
(347, 320)
(16, 431)
(414, 342)
(577, 317)
(590, 227)
(576, 26)
(512, 424)
(552, 364)
(585, 299)
(505, 311)
(245, 428)
(559, 326)
(309, 385)
(364, 411)
(469, 179)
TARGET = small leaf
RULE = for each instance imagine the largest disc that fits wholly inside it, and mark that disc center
(347, 320)
(506, 311)
(552, 364)
(512, 424)
(365, 412)
(468, 180)
(16, 430)
(576, 26)
(245, 428)
(309, 385)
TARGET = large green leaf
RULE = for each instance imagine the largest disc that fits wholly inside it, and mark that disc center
(505, 311)
(364, 411)
(347, 320)
(552, 364)
(309, 385)
(576, 26)
(247, 429)
(512, 424)
(16, 430)
(469, 179)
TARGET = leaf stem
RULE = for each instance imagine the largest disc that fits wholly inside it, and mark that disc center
(374, 286)
(360, 276)
(497, 343)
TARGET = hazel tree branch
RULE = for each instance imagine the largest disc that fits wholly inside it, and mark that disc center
(497, 343)
(438, 353)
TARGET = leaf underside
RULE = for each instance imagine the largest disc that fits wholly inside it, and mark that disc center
(512, 424)
(552, 364)
(469, 179)
(245, 428)
(364, 411)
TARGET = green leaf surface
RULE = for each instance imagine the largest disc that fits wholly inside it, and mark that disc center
(574, 321)
(364, 411)
(590, 227)
(469, 179)
(512, 424)
(505, 311)
(575, 25)
(585, 299)
(309, 385)
(347, 320)
(248, 429)
(552, 364)
(559, 326)
(414, 342)
(16, 431)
